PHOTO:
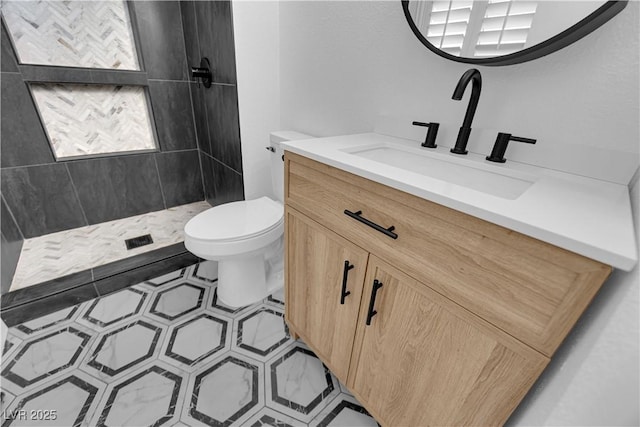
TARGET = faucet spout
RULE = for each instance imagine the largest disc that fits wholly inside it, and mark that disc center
(472, 75)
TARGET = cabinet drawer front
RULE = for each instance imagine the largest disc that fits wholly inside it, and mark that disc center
(530, 289)
(325, 275)
(425, 361)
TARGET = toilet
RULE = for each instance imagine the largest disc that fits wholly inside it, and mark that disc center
(246, 238)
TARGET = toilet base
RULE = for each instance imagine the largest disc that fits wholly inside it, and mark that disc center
(248, 280)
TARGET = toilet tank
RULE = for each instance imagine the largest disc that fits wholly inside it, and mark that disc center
(277, 160)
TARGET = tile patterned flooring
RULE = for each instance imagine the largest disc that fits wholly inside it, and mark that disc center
(166, 352)
(71, 251)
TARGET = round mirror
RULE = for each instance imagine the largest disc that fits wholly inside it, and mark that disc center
(504, 32)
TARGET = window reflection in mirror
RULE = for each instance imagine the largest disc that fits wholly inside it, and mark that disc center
(493, 28)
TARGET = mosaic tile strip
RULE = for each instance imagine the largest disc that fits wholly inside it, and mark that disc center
(89, 34)
(89, 120)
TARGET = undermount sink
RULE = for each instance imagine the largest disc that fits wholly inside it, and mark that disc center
(478, 177)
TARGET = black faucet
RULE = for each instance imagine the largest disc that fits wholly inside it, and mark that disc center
(465, 130)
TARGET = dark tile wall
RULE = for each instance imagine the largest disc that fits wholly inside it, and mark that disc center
(133, 186)
(197, 129)
(46, 196)
(208, 32)
(10, 246)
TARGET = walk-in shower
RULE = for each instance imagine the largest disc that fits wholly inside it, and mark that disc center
(108, 148)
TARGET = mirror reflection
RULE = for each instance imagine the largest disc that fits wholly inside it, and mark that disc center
(493, 28)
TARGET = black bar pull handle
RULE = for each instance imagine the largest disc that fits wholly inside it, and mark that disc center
(345, 275)
(358, 216)
(372, 302)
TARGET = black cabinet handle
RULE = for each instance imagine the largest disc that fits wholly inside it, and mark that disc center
(358, 216)
(345, 274)
(372, 302)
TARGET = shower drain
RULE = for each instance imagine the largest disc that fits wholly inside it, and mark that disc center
(136, 242)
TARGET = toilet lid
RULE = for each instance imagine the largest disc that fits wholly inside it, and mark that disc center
(236, 220)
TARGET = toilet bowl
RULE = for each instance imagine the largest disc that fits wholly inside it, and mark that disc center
(246, 238)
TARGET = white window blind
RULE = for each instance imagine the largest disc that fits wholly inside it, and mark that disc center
(505, 27)
(448, 24)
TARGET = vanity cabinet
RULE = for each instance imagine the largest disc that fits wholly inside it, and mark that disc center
(450, 319)
(325, 267)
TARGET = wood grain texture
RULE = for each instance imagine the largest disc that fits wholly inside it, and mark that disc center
(313, 287)
(532, 290)
(426, 361)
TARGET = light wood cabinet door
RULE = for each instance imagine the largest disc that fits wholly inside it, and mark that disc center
(426, 361)
(316, 280)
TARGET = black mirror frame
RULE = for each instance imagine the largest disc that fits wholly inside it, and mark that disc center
(557, 42)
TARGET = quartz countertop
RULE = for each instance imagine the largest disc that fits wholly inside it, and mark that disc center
(583, 215)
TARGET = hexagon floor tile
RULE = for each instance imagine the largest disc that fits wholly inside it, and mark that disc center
(124, 348)
(164, 352)
(227, 392)
(206, 271)
(298, 384)
(65, 402)
(48, 321)
(261, 332)
(108, 310)
(178, 301)
(148, 398)
(344, 410)
(198, 338)
(167, 278)
(45, 356)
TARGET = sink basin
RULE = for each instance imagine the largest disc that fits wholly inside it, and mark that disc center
(461, 172)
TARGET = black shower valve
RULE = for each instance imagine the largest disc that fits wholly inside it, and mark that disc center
(203, 73)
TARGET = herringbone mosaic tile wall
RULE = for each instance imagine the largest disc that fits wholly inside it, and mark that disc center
(86, 120)
(90, 34)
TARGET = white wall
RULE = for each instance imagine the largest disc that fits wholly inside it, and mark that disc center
(344, 63)
(257, 66)
(594, 377)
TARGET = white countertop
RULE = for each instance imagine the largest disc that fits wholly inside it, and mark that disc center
(583, 215)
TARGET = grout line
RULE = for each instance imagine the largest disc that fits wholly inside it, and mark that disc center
(164, 200)
(226, 165)
(182, 150)
(195, 22)
(204, 102)
(184, 43)
(193, 108)
(14, 219)
(204, 187)
(75, 192)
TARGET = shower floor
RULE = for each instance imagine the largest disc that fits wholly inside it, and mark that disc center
(58, 254)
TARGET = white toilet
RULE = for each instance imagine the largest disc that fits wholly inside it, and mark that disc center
(246, 238)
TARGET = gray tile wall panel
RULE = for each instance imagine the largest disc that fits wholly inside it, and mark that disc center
(42, 199)
(117, 187)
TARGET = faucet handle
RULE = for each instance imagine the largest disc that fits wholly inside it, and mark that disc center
(500, 146)
(430, 140)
